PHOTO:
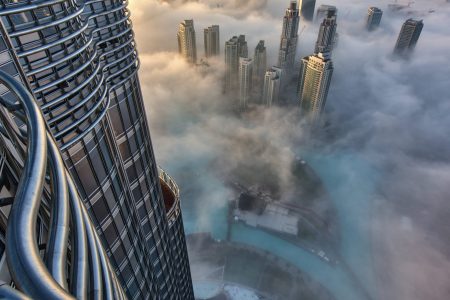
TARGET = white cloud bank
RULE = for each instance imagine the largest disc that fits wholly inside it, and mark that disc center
(394, 112)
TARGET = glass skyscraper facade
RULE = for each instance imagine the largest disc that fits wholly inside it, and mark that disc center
(313, 84)
(79, 61)
(211, 36)
(289, 38)
(187, 45)
(408, 37)
(327, 34)
(374, 15)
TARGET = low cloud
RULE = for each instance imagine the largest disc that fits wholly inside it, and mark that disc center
(394, 113)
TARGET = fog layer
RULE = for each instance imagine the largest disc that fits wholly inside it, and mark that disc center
(393, 113)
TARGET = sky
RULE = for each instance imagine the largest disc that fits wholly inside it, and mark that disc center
(394, 113)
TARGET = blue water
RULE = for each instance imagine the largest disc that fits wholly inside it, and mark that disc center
(334, 279)
(350, 182)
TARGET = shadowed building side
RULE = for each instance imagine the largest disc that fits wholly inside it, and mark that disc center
(272, 84)
(245, 81)
(327, 35)
(307, 8)
(212, 41)
(259, 68)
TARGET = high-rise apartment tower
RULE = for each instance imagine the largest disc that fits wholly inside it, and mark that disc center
(187, 45)
(374, 15)
(314, 83)
(79, 61)
(235, 48)
(408, 37)
(245, 81)
(325, 11)
(289, 38)
(272, 84)
(212, 41)
(327, 35)
(259, 67)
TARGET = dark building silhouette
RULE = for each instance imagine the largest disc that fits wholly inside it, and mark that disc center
(307, 8)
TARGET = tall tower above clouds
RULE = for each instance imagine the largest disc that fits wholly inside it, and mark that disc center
(187, 45)
(289, 38)
(408, 37)
(314, 82)
(212, 41)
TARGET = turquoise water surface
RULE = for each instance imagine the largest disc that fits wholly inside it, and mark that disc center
(350, 182)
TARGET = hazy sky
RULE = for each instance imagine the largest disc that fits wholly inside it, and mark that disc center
(394, 113)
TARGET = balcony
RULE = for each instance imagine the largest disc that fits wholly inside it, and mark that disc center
(171, 194)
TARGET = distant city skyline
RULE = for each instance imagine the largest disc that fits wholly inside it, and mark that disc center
(266, 85)
(379, 130)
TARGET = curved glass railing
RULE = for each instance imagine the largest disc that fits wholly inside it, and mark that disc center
(52, 248)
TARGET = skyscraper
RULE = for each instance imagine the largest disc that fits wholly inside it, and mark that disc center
(408, 37)
(245, 81)
(259, 67)
(289, 38)
(243, 47)
(324, 11)
(272, 83)
(186, 41)
(83, 75)
(35, 211)
(212, 41)
(235, 48)
(374, 15)
(314, 83)
(307, 8)
(327, 34)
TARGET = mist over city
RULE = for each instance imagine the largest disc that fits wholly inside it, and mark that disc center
(385, 140)
(225, 150)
